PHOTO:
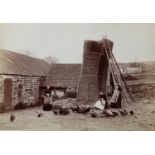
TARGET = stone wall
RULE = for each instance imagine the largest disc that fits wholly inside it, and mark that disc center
(1, 89)
(142, 90)
(24, 88)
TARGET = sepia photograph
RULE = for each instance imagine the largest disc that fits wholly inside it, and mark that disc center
(77, 77)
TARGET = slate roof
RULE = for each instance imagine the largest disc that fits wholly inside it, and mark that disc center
(64, 75)
(19, 64)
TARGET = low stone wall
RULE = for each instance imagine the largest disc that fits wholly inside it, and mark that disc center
(142, 90)
(1, 89)
(29, 89)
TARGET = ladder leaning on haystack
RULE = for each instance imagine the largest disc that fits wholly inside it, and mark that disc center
(116, 73)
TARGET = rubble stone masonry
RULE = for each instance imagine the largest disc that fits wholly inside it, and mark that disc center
(24, 88)
(140, 91)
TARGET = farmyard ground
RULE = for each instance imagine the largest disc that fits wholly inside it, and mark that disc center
(27, 120)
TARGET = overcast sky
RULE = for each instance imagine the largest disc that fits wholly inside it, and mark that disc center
(132, 42)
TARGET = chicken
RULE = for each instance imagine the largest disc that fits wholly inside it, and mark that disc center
(83, 109)
(131, 112)
(94, 115)
(123, 112)
(56, 112)
(108, 113)
(63, 111)
(12, 117)
(40, 115)
(86, 110)
(114, 113)
(75, 108)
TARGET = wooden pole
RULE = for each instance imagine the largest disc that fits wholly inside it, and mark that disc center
(113, 70)
(121, 76)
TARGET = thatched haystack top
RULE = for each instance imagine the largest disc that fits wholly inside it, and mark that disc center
(64, 75)
(96, 46)
(18, 64)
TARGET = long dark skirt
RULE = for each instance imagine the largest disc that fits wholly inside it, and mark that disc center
(47, 107)
(117, 104)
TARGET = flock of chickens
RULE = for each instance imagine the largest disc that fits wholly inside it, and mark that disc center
(59, 110)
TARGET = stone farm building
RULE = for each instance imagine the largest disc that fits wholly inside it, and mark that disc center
(20, 79)
(23, 79)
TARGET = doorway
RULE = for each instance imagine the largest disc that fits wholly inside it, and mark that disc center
(7, 93)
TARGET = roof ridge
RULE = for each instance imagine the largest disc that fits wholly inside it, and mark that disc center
(22, 64)
(5, 50)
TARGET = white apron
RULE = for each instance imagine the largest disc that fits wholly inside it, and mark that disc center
(100, 105)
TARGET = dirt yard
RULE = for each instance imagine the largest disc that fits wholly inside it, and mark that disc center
(27, 119)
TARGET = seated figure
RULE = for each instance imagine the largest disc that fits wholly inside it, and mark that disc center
(101, 103)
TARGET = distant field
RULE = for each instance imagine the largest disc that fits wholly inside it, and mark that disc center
(150, 76)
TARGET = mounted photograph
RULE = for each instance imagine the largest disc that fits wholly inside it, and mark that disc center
(77, 77)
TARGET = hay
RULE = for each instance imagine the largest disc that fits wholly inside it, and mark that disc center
(94, 72)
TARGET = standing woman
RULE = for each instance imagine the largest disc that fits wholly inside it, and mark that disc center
(46, 99)
(47, 106)
(116, 97)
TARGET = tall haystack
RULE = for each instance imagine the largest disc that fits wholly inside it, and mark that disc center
(99, 70)
(94, 71)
